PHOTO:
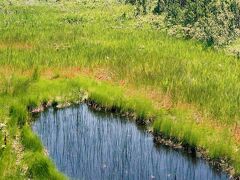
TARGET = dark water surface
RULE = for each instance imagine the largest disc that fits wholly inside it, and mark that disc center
(95, 146)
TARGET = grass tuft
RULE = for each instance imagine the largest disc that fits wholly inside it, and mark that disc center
(30, 141)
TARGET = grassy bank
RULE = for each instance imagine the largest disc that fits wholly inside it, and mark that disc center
(46, 48)
(173, 123)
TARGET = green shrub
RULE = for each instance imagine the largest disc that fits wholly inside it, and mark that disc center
(215, 22)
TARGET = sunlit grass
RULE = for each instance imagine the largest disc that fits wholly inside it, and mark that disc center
(88, 35)
(34, 37)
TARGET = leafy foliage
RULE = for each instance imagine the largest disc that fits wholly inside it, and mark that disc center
(215, 22)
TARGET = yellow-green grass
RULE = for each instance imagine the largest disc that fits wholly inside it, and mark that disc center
(46, 35)
(173, 123)
(98, 34)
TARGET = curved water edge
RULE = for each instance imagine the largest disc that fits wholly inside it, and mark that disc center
(91, 145)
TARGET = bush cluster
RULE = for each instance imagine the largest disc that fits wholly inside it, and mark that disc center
(215, 22)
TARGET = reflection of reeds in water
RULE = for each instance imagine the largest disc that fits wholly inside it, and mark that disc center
(86, 145)
(64, 39)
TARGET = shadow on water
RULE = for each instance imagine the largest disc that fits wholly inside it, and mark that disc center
(95, 146)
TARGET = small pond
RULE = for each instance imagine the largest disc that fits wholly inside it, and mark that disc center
(90, 145)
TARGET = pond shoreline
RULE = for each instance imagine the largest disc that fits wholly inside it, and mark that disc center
(220, 164)
(172, 142)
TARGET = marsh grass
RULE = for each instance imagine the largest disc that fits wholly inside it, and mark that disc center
(176, 123)
(90, 34)
(40, 167)
(30, 141)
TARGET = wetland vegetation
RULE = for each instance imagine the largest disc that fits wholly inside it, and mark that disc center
(70, 51)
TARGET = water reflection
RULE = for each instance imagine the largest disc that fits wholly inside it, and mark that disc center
(93, 146)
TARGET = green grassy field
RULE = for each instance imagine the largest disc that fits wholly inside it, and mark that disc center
(54, 51)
